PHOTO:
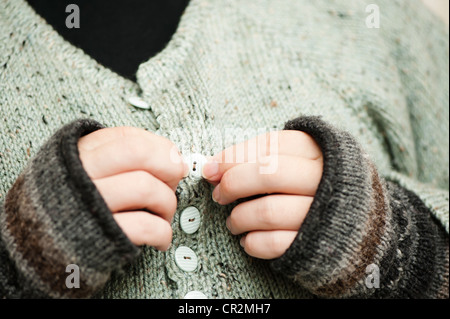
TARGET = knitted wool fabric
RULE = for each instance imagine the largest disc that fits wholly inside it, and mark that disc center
(375, 100)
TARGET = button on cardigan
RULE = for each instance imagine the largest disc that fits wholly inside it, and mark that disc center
(375, 100)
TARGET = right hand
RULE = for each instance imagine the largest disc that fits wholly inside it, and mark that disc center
(135, 170)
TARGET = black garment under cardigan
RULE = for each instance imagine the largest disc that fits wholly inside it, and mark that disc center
(120, 35)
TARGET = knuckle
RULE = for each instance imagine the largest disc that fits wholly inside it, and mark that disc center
(175, 172)
(269, 180)
(250, 243)
(122, 131)
(156, 233)
(164, 231)
(274, 243)
(234, 218)
(267, 211)
(129, 132)
(164, 235)
(145, 226)
(164, 201)
(144, 184)
(170, 203)
(227, 182)
(172, 156)
(134, 146)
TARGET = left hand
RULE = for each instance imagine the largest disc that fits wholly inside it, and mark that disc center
(285, 165)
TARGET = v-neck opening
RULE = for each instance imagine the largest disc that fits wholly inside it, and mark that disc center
(88, 67)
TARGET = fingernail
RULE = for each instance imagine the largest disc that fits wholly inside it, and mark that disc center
(228, 224)
(216, 194)
(210, 169)
(241, 242)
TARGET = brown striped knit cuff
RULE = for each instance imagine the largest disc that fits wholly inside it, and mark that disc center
(356, 227)
(54, 216)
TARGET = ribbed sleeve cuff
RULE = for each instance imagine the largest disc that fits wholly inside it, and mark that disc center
(343, 230)
(363, 237)
(54, 216)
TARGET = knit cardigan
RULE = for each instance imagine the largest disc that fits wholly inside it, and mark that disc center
(375, 100)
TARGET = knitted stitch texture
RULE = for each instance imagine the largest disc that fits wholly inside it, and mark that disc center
(232, 69)
(45, 230)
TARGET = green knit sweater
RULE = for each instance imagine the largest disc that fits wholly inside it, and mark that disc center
(375, 100)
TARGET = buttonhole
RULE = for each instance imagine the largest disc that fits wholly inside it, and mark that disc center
(186, 257)
(191, 219)
(194, 167)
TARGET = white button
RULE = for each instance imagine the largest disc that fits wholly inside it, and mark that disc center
(195, 295)
(190, 220)
(185, 258)
(138, 102)
(196, 162)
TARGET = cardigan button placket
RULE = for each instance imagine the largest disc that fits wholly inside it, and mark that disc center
(190, 220)
(185, 258)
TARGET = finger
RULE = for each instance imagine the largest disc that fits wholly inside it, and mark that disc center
(268, 244)
(293, 143)
(274, 212)
(106, 135)
(158, 157)
(145, 229)
(137, 190)
(282, 174)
